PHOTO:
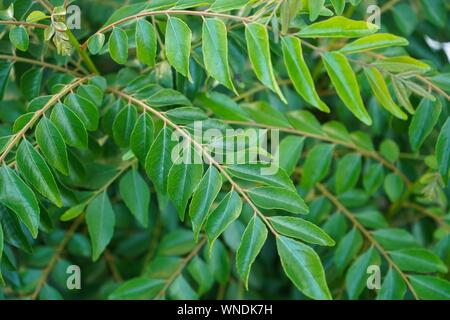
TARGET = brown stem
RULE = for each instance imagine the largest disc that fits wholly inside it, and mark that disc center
(40, 63)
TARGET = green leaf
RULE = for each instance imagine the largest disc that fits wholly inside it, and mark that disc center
(289, 153)
(443, 150)
(263, 112)
(100, 221)
(305, 121)
(303, 266)
(373, 178)
(36, 16)
(394, 187)
(278, 198)
(338, 27)
(227, 5)
(91, 92)
(199, 270)
(430, 288)
(395, 239)
(85, 110)
(339, 6)
(137, 289)
(158, 161)
(402, 64)
(255, 173)
(226, 212)
(70, 126)
(30, 83)
(20, 199)
(52, 145)
(346, 84)
(381, 92)
(146, 42)
(123, 125)
(418, 260)
(299, 73)
(347, 249)
(136, 195)
(215, 51)
(390, 150)
(259, 52)
(347, 172)
(142, 136)
(356, 278)
(5, 68)
(315, 7)
(36, 171)
(423, 122)
(178, 45)
(222, 106)
(317, 165)
(252, 241)
(181, 183)
(374, 42)
(19, 38)
(203, 198)
(302, 230)
(2, 282)
(118, 45)
(393, 288)
(96, 42)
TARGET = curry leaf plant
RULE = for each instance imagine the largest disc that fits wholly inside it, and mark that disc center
(128, 137)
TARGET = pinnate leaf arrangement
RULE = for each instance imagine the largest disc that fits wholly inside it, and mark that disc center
(88, 177)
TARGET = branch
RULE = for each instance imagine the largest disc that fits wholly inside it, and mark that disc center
(367, 235)
(40, 63)
(23, 23)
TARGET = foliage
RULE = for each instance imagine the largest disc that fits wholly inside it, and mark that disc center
(87, 176)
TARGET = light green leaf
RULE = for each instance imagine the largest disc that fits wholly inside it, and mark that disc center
(338, 27)
(374, 42)
(346, 84)
(136, 195)
(299, 73)
(339, 6)
(203, 198)
(252, 241)
(259, 51)
(100, 221)
(145, 42)
(278, 198)
(303, 266)
(315, 7)
(215, 51)
(178, 45)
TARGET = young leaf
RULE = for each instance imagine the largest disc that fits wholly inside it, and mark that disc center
(182, 181)
(443, 150)
(118, 46)
(252, 241)
(36, 171)
(346, 84)
(423, 122)
(259, 51)
(302, 230)
(278, 198)
(100, 221)
(203, 198)
(52, 145)
(338, 27)
(303, 266)
(70, 126)
(215, 51)
(145, 42)
(178, 45)
(226, 212)
(136, 195)
(381, 92)
(20, 199)
(299, 73)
